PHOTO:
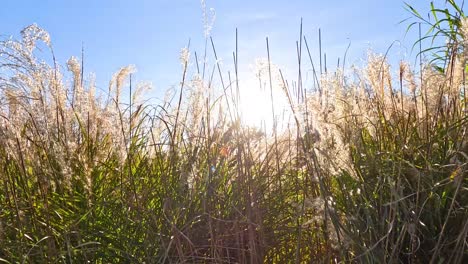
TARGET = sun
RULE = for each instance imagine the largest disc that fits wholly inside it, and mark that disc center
(257, 106)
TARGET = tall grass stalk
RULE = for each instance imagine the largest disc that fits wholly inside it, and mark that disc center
(372, 166)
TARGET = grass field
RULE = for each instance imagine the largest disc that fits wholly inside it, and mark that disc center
(370, 166)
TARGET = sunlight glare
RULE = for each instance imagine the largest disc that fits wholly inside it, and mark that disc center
(255, 104)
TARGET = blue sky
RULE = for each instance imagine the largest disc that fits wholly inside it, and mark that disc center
(151, 33)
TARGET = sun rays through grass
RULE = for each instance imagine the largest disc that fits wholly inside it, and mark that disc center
(366, 165)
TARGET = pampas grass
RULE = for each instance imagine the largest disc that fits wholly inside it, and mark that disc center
(369, 169)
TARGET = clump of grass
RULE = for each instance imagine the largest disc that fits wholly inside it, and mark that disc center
(368, 169)
(403, 199)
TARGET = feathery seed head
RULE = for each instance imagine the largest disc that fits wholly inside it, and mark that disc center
(184, 56)
(31, 34)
